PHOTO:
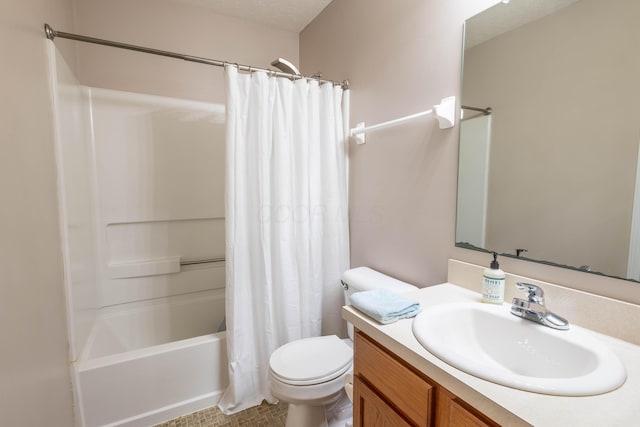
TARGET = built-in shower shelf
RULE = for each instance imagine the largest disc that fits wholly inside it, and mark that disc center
(151, 267)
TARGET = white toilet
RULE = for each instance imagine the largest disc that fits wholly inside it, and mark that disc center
(310, 373)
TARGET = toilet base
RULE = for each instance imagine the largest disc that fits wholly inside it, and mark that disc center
(306, 415)
(339, 411)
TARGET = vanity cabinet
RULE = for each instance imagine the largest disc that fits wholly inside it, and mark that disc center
(389, 392)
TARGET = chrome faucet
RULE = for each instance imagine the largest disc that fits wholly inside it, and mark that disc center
(533, 308)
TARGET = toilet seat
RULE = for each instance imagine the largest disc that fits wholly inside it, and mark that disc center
(311, 360)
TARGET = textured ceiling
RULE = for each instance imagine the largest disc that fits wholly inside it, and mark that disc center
(290, 15)
(506, 17)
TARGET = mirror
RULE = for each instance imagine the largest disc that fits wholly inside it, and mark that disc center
(551, 174)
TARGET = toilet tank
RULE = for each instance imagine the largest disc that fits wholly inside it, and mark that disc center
(364, 279)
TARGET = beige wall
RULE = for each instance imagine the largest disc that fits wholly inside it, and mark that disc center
(401, 57)
(563, 150)
(35, 387)
(172, 26)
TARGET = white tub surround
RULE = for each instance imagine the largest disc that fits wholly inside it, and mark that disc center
(505, 405)
(141, 190)
(153, 361)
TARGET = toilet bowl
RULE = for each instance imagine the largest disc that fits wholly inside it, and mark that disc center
(310, 373)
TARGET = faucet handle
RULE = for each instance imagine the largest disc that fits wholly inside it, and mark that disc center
(535, 293)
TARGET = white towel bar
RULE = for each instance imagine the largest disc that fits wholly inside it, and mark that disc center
(445, 112)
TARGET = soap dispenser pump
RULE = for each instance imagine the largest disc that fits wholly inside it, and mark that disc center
(493, 282)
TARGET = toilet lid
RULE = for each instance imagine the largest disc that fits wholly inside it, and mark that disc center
(311, 360)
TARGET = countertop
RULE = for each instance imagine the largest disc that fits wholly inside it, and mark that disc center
(505, 405)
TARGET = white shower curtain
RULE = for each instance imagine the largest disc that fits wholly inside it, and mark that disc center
(287, 238)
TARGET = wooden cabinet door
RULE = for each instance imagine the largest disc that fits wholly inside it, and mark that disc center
(369, 410)
(392, 379)
(452, 412)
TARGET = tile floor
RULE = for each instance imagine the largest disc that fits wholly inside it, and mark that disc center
(264, 415)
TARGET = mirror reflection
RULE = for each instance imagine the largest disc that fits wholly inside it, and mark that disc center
(550, 174)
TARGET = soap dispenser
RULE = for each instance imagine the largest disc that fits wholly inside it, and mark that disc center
(493, 282)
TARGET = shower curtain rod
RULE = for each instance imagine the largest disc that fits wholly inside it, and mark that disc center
(486, 111)
(52, 34)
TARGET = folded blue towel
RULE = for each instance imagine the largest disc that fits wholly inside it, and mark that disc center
(384, 305)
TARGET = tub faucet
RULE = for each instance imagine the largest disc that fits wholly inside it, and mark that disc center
(533, 308)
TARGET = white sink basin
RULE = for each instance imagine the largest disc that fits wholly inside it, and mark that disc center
(487, 341)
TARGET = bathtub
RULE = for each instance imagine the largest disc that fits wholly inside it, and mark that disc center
(151, 361)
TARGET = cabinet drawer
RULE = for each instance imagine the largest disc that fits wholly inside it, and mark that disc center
(411, 394)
